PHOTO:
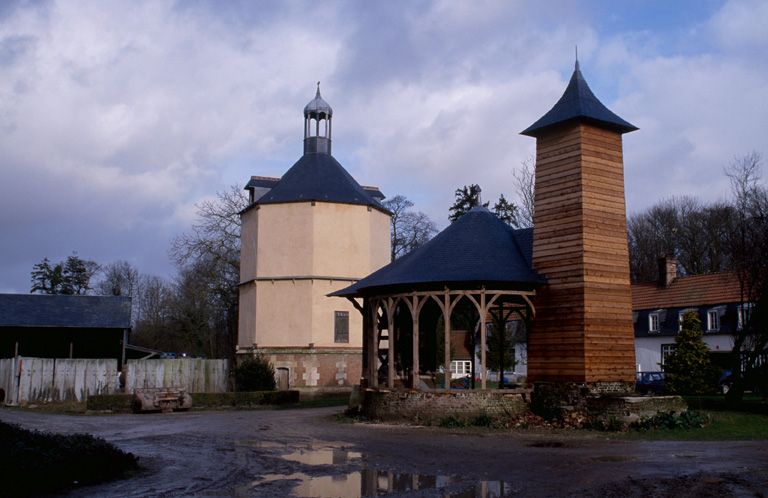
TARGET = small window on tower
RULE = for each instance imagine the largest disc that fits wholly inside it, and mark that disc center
(341, 327)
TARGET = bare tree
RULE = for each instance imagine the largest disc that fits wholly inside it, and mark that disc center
(750, 245)
(525, 181)
(212, 249)
(121, 279)
(409, 229)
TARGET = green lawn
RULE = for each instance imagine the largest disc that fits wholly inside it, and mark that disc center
(724, 425)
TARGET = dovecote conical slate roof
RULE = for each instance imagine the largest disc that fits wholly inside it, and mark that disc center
(319, 177)
(578, 102)
(476, 248)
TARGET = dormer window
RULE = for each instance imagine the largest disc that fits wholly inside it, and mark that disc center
(653, 322)
(713, 321)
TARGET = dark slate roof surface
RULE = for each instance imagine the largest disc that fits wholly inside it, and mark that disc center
(40, 310)
(578, 102)
(478, 247)
(319, 177)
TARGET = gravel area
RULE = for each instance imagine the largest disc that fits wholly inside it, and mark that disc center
(313, 452)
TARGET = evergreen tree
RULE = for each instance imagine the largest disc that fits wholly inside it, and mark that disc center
(689, 369)
(506, 211)
(467, 197)
(73, 276)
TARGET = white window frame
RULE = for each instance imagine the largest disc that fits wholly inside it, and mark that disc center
(713, 321)
(461, 368)
(653, 323)
(666, 350)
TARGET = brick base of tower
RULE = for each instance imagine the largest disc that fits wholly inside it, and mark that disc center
(583, 330)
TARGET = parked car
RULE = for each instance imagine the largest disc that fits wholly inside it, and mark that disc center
(650, 382)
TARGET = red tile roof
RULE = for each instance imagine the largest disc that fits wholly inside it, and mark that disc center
(693, 290)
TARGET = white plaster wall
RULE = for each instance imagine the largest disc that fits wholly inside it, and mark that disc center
(301, 240)
(648, 349)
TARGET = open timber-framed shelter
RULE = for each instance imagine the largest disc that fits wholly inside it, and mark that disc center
(478, 261)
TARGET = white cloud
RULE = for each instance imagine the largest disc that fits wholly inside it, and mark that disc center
(116, 118)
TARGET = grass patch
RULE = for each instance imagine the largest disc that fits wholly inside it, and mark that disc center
(43, 463)
(722, 426)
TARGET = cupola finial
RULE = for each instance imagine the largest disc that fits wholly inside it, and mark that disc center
(318, 90)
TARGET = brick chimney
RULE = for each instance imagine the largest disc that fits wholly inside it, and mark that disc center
(667, 270)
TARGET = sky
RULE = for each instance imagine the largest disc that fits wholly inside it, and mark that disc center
(117, 118)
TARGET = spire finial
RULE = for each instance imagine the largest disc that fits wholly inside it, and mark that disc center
(577, 57)
(318, 89)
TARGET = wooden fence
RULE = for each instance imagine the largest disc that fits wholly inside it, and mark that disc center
(42, 380)
(195, 375)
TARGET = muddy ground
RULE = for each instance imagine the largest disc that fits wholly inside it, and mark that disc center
(312, 452)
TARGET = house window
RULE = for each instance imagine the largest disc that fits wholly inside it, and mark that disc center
(743, 314)
(341, 327)
(713, 321)
(653, 322)
(666, 350)
(461, 368)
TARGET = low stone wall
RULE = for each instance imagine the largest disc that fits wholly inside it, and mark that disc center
(431, 407)
(599, 401)
(628, 409)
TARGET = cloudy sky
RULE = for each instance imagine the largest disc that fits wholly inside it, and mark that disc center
(116, 118)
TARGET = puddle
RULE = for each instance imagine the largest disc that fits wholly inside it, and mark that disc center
(368, 480)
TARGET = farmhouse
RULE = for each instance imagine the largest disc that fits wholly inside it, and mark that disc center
(659, 306)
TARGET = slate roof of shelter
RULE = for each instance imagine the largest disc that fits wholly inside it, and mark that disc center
(476, 248)
(579, 103)
(319, 177)
(42, 310)
(693, 290)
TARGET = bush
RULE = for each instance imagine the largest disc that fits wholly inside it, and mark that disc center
(670, 420)
(255, 374)
(42, 463)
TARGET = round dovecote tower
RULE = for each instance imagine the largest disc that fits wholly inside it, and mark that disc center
(305, 235)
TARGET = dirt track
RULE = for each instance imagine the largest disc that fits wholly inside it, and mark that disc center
(311, 453)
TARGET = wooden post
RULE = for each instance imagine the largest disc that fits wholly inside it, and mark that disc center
(415, 312)
(483, 368)
(373, 359)
(390, 304)
(16, 350)
(447, 352)
(71, 349)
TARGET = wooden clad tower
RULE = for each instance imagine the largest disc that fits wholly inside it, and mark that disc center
(583, 329)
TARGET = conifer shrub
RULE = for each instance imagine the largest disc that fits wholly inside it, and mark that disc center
(688, 370)
(255, 374)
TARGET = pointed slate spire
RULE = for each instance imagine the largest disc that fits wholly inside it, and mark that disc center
(579, 103)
